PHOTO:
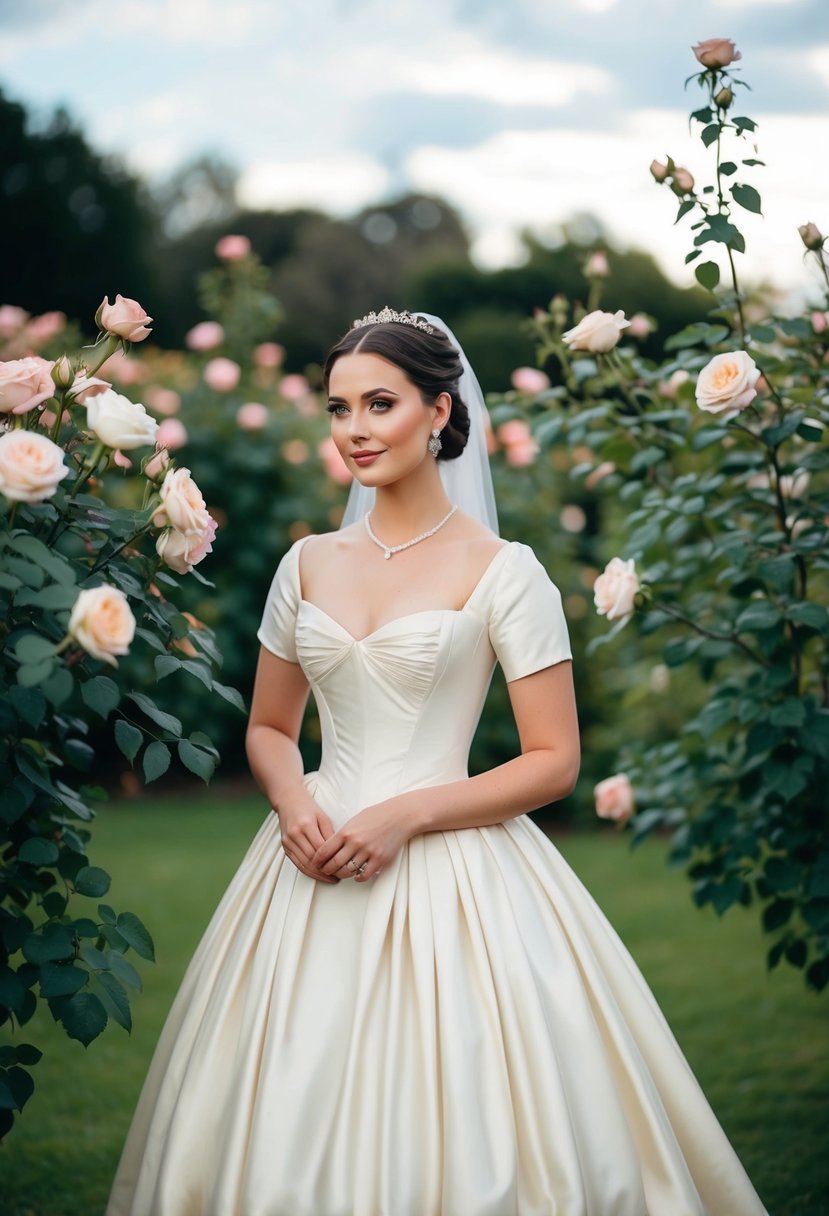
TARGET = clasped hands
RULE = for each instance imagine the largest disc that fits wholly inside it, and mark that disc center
(366, 843)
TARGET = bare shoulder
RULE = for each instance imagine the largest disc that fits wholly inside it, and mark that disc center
(481, 540)
(320, 548)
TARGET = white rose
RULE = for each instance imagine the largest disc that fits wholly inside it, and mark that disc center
(727, 383)
(119, 422)
(614, 798)
(31, 466)
(598, 332)
(102, 623)
(182, 504)
(615, 588)
(181, 553)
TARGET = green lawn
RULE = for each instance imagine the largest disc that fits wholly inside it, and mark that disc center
(757, 1043)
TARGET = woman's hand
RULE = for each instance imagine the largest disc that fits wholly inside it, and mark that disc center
(305, 827)
(370, 839)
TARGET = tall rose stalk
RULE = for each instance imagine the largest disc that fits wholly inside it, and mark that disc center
(80, 591)
(714, 484)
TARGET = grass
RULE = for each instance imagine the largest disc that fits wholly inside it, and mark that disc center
(757, 1043)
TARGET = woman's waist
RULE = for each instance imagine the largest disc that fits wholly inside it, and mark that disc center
(341, 794)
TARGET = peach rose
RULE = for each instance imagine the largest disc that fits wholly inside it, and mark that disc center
(222, 375)
(252, 416)
(529, 380)
(182, 504)
(232, 247)
(811, 236)
(182, 552)
(682, 180)
(520, 455)
(205, 336)
(333, 462)
(125, 318)
(659, 172)
(668, 388)
(25, 384)
(31, 466)
(119, 422)
(102, 623)
(514, 431)
(172, 434)
(716, 52)
(157, 464)
(728, 383)
(598, 332)
(614, 591)
(614, 798)
(293, 387)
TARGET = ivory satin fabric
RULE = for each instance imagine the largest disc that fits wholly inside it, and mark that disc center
(465, 1034)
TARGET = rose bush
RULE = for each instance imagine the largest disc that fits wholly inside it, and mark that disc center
(82, 592)
(709, 473)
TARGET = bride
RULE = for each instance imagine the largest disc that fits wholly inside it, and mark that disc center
(406, 1003)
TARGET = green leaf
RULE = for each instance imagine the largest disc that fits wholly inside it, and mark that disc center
(35, 673)
(165, 664)
(21, 1085)
(777, 913)
(162, 719)
(232, 695)
(134, 933)
(744, 124)
(32, 648)
(759, 616)
(107, 914)
(92, 881)
(782, 874)
(708, 435)
(52, 942)
(710, 134)
(37, 851)
(115, 998)
(792, 712)
(708, 274)
(56, 980)
(58, 687)
(156, 760)
(29, 704)
(101, 695)
(747, 197)
(727, 167)
(12, 988)
(125, 971)
(815, 616)
(129, 738)
(197, 761)
(83, 1017)
(684, 207)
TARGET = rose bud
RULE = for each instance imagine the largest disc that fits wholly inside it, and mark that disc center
(125, 318)
(63, 373)
(724, 98)
(811, 236)
(658, 171)
(682, 181)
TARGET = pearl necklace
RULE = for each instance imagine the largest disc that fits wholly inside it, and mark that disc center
(389, 549)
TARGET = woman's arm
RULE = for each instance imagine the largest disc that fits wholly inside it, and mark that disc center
(544, 705)
(280, 693)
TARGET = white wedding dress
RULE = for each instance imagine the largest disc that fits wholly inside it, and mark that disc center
(465, 1034)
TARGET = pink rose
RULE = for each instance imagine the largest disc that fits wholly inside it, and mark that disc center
(514, 431)
(640, 326)
(42, 329)
(682, 182)
(125, 318)
(12, 320)
(293, 387)
(519, 455)
(157, 464)
(333, 462)
(268, 354)
(102, 623)
(529, 380)
(252, 416)
(614, 798)
(599, 473)
(122, 461)
(231, 248)
(727, 383)
(659, 172)
(182, 552)
(668, 388)
(222, 375)
(205, 336)
(614, 591)
(597, 266)
(171, 434)
(716, 52)
(819, 322)
(163, 400)
(25, 384)
(31, 466)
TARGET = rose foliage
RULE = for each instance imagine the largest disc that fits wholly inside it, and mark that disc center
(714, 490)
(89, 625)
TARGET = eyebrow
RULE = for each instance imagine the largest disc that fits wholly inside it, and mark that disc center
(365, 396)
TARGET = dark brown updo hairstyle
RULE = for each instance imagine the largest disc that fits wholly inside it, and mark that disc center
(429, 360)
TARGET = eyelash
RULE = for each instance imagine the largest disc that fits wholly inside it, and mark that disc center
(335, 408)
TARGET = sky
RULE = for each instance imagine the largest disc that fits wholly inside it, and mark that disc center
(521, 113)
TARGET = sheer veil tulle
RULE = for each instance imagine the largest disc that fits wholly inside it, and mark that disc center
(467, 479)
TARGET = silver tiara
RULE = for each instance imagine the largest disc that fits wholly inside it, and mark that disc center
(388, 314)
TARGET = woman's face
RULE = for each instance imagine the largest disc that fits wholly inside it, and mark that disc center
(379, 420)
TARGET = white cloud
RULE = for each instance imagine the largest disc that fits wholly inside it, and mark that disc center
(512, 80)
(338, 184)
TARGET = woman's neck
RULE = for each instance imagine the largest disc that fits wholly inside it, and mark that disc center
(410, 506)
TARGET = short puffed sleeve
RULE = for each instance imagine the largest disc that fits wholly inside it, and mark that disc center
(527, 628)
(278, 628)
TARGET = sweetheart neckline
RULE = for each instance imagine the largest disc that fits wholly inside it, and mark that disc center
(407, 616)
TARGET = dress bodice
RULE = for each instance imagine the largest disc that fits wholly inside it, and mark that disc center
(398, 708)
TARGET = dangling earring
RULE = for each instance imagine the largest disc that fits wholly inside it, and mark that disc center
(434, 445)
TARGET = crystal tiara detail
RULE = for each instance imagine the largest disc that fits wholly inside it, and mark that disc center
(388, 314)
